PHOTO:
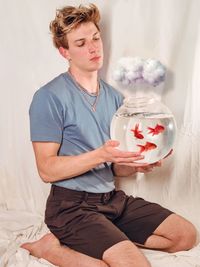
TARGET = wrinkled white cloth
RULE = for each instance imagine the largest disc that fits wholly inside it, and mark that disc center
(17, 228)
(168, 31)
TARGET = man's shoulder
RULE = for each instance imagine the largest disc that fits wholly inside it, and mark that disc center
(55, 92)
(110, 88)
(57, 88)
(56, 84)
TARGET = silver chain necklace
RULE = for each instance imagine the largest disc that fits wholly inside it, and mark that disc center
(85, 93)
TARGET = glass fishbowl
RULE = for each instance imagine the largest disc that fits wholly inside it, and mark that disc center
(145, 125)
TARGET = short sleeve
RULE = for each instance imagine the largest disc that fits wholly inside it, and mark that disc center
(46, 117)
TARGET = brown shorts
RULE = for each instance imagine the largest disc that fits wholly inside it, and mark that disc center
(91, 223)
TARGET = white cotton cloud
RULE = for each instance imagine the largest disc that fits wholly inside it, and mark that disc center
(131, 70)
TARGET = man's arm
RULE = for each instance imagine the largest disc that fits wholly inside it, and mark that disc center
(121, 170)
(52, 167)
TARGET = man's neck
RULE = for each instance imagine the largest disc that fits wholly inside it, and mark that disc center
(88, 80)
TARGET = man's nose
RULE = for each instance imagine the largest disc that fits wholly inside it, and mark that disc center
(92, 47)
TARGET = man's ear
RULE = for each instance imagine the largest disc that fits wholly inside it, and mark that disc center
(64, 52)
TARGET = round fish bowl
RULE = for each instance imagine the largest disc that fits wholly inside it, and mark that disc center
(144, 125)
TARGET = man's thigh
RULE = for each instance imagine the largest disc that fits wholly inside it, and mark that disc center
(140, 219)
(94, 235)
(79, 227)
(174, 227)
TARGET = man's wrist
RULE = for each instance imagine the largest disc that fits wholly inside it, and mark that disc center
(122, 170)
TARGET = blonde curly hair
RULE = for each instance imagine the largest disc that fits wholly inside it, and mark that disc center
(69, 18)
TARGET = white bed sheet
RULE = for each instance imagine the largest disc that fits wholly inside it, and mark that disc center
(19, 227)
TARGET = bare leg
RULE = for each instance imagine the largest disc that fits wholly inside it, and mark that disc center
(125, 254)
(49, 248)
(174, 234)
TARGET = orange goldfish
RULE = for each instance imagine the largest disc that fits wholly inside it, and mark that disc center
(137, 132)
(158, 129)
(148, 146)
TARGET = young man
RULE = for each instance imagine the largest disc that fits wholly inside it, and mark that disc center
(92, 224)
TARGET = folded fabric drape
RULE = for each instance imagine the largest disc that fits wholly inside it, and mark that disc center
(168, 31)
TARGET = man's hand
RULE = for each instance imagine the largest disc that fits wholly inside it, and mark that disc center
(130, 168)
(110, 153)
(149, 167)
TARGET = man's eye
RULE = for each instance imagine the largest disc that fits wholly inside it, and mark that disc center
(96, 38)
(79, 45)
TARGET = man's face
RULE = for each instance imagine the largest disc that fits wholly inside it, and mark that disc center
(85, 47)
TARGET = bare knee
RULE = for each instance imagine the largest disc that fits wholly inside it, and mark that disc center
(186, 238)
(125, 253)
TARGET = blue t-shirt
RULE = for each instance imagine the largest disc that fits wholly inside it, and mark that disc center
(60, 113)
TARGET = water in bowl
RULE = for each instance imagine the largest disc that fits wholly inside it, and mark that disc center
(152, 134)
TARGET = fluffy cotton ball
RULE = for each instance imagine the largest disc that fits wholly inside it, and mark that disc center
(153, 72)
(138, 63)
(131, 70)
(160, 72)
(133, 76)
(118, 75)
(130, 64)
(125, 82)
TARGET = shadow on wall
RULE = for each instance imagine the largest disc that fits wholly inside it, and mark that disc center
(105, 26)
(169, 81)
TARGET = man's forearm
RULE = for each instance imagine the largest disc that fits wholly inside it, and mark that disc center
(122, 170)
(57, 168)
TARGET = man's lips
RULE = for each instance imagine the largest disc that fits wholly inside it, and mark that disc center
(95, 58)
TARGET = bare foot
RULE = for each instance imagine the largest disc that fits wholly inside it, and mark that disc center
(43, 246)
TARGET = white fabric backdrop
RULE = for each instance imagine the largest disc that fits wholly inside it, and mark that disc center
(165, 30)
